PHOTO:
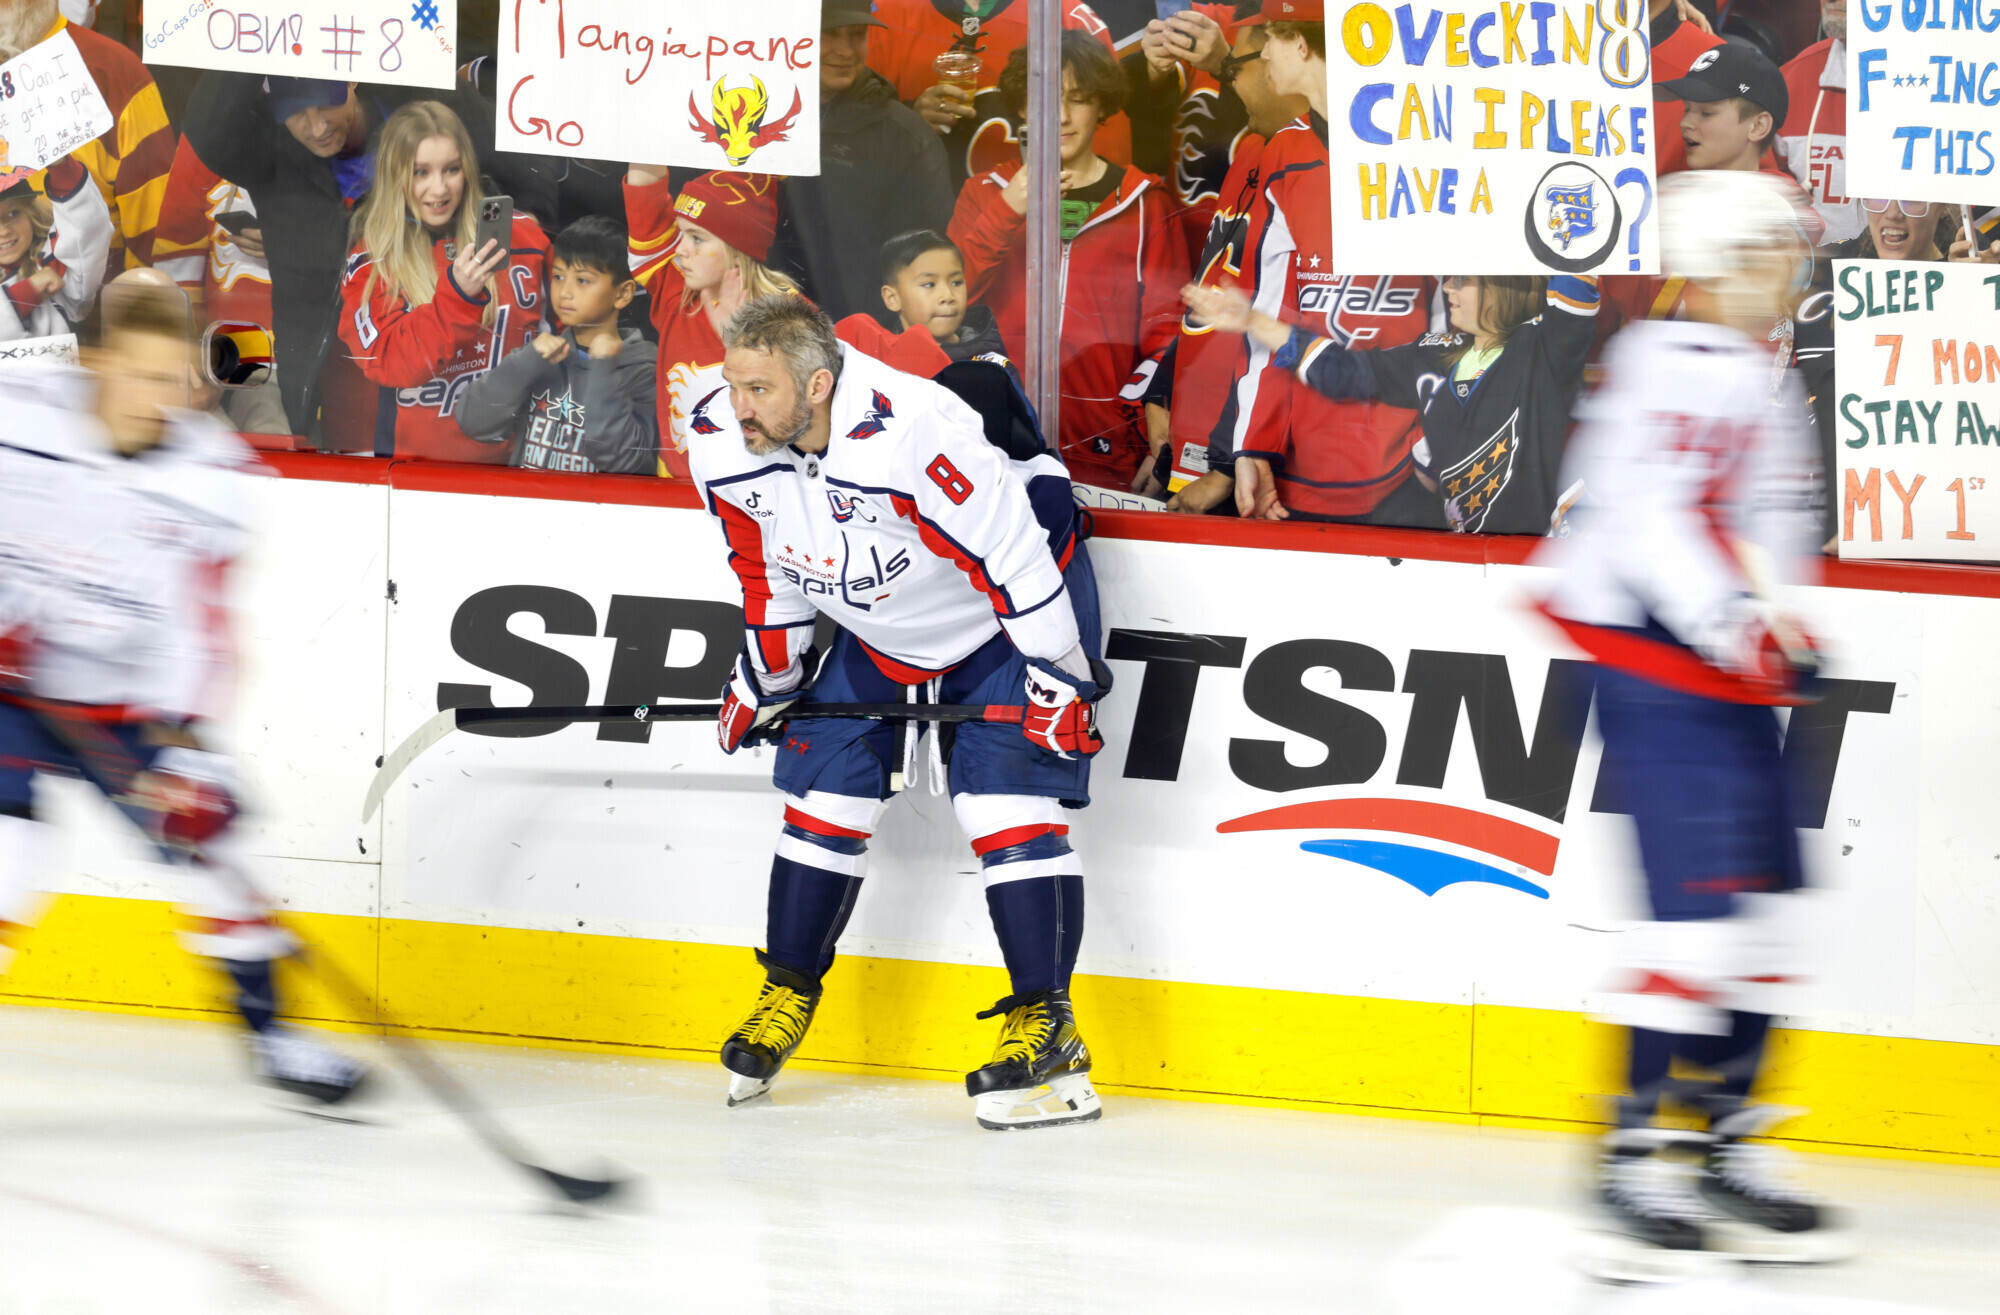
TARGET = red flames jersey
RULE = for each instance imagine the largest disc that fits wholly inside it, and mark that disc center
(199, 253)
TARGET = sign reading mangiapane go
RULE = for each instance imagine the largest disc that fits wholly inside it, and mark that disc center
(1917, 422)
(731, 86)
(1502, 138)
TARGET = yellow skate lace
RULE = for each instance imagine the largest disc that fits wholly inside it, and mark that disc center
(1026, 1029)
(779, 1020)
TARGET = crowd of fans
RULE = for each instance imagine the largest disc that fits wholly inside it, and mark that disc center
(432, 297)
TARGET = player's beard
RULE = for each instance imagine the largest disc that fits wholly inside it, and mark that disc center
(762, 442)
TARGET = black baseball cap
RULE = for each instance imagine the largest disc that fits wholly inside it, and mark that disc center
(291, 96)
(848, 13)
(1726, 72)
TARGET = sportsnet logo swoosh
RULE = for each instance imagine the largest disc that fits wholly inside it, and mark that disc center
(1428, 869)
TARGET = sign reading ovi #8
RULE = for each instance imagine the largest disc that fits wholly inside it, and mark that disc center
(410, 43)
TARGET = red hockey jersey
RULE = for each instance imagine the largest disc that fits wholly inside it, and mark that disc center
(1120, 277)
(1672, 56)
(1812, 146)
(199, 253)
(915, 32)
(429, 355)
(1330, 458)
(1205, 362)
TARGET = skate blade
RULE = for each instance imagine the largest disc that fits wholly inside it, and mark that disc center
(743, 1089)
(1611, 1257)
(1752, 1245)
(1067, 1099)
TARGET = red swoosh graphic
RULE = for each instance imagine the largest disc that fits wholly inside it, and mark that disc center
(1460, 826)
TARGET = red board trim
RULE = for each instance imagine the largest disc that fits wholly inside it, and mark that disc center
(1950, 578)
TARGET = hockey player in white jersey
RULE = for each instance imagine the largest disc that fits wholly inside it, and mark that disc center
(120, 512)
(850, 489)
(1700, 509)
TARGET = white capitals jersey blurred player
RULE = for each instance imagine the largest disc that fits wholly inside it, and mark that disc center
(1700, 508)
(851, 489)
(120, 513)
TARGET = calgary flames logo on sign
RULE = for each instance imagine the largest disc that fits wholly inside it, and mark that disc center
(738, 122)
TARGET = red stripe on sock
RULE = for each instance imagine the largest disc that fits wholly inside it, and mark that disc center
(1017, 835)
(819, 827)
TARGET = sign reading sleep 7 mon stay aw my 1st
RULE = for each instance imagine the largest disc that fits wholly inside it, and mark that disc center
(1917, 420)
(1923, 100)
(1495, 138)
(410, 43)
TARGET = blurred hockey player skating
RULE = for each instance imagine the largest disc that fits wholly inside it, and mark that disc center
(120, 513)
(954, 575)
(1700, 508)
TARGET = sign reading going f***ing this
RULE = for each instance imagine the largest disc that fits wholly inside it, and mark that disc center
(1510, 138)
(731, 86)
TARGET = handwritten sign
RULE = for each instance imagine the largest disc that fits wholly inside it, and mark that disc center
(49, 105)
(1492, 138)
(1923, 78)
(1917, 422)
(404, 42)
(717, 87)
(59, 347)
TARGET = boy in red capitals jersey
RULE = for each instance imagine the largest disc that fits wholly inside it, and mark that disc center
(1121, 251)
(1328, 458)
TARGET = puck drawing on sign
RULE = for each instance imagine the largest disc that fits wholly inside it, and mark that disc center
(1573, 219)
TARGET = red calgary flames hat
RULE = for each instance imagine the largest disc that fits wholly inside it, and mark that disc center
(1292, 11)
(741, 209)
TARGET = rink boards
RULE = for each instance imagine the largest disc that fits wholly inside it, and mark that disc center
(1342, 851)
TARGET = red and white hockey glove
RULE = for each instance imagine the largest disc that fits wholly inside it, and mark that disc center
(1060, 716)
(16, 646)
(746, 709)
(190, 792)
(1765, 645)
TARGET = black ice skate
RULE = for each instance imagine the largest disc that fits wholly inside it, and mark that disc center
(1040, 1072)
(762, 1043)
(1760, 1217)
(1657, 1225)
(305, 1068)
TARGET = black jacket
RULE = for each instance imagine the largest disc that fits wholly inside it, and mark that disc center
(304, 217)
(882, 173)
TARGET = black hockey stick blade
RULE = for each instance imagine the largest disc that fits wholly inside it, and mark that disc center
(391, 766)
(579, 1191)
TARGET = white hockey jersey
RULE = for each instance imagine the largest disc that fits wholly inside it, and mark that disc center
(77, 245)
(910, 530)
(117, 565)
(1692, 450)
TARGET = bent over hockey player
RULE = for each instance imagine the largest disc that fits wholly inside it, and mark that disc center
(1700, 490)
(120, 512)
(849, 488)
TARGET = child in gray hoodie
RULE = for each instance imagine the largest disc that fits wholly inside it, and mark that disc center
(581, 400)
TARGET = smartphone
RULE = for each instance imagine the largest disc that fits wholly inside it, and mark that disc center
(496, 223)
(1165, 9)
(235, 221)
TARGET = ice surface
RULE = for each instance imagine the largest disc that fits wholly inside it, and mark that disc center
(140, 1170)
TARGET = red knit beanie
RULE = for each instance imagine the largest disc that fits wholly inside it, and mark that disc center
(741, 209)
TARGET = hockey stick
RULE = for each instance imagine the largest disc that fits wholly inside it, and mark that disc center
(393, 765)
(112, 770)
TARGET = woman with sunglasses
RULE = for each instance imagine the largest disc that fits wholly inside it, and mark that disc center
(1911, 230)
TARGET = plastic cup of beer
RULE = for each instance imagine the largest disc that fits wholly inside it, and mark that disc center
(959, 68)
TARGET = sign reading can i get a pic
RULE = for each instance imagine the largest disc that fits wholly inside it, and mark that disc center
(49, 105)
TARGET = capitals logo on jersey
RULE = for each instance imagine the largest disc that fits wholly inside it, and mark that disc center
(1572, 213)
(1348, 300)
(699, 421)
(871, 424)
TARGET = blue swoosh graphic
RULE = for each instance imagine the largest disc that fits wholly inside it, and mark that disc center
(1426, 869)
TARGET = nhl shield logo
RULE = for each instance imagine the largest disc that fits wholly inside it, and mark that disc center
(1572, 221)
